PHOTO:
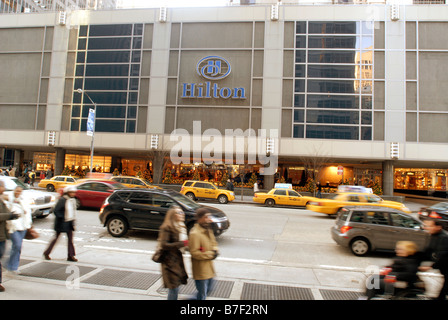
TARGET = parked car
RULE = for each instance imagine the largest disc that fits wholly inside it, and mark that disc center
(145, 209)
(365, 228)
(438, 211)
(280, 196)
(134, 182)
(41, 202)
(92, 193)
(56, 182)
(206, 190)
(340, 200)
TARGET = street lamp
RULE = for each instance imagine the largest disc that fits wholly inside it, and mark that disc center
(90, 125)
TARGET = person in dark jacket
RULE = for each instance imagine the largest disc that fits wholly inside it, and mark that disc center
(404, 268)
(437, 252)
(65, 211)
(229, 185)
(5, 215)
(173, 240)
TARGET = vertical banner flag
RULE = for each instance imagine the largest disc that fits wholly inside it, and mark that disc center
(91, 123)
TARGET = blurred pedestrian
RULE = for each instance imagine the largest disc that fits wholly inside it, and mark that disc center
(229, 185)
(17, 228)
(5, 214)
(173, 240)
(203, 250)
(65, 212)
(437, 252)
(256, 186)
(319, 190)
(404, 268)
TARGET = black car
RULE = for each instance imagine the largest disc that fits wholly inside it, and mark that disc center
(438, 211)
(145, 209)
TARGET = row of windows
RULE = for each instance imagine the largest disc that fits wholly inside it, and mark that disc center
(330, 71)
(104, 125)
(111, 30)
(329, 101)
(333, 117)
(331, 56)
(332, 132)
(109, 56)
(335, 42)
(109, 70)
(336, 27)
(333, 86)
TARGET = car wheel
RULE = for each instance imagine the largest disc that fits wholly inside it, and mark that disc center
(223, 199)
(270, 202)
(360, 246)
(191, 196)
(50, 188)
(117, 226)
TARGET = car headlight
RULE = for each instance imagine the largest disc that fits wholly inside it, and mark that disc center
(52, 199)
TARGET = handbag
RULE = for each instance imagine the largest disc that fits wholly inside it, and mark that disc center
(31, 234)
(158, 256)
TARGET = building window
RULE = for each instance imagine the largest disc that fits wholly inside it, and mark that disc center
(333, 80)
(108, 70)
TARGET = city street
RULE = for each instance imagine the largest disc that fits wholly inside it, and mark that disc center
(264, 247)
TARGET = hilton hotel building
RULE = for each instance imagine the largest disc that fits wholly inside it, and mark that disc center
(362, 87)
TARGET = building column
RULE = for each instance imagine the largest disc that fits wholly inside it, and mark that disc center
(59, 161)
(388, 178)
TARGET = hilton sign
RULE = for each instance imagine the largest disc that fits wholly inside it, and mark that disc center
(212, 68)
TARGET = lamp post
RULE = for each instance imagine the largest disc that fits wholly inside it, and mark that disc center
(91, 120)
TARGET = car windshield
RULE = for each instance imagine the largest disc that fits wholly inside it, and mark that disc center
(11, 184)
(118, 186)
(440, 206)
(146, 182)
(186, 202)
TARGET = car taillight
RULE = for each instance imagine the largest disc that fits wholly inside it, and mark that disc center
(344, 229)
(102, 207)
(255, 195)
(181, 188)
(435, 215)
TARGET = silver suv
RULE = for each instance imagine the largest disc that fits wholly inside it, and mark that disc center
(41, 203)
(365, 229)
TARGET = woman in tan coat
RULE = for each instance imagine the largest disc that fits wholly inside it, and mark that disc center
(173, 240)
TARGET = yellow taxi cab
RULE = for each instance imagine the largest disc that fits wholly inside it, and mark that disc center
(352, 198)
(282, 196)
(134, 182)
(206, 190)
(56, 182)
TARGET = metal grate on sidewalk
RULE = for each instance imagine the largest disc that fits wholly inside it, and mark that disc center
(339, 294)
(123, 279)
(253, 291)
(54, 271)
(222, 289)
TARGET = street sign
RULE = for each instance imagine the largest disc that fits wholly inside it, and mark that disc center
(91, 123)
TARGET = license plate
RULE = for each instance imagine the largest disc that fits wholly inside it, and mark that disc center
(45, 212)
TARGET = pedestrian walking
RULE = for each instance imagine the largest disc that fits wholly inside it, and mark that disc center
(256, 186)
(5, 215)
(173, 240)
(229, 185)
(319, 190)
(17, 228)
(437, 252)
(203, 250)
(65, 212)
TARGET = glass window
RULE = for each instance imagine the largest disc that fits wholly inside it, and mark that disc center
(332, 116)
(328, 56)
(299, 100)
(331, 71)
(79, 71)
(137, 43)
(132, 112)
(339, 27)
(353, 198)
(133, 97)
(76, 111)
(83, 31)
(141, 198)
(332, 86)
(130, 126)
(399, 220)
(333, 101)
(135, 69)
(280, 192)
(357, 216)
(162, 201)
(378, 218)
(300, 70)
(299, 116)
(106, 97)
(300, 42)
(366, 133)
(337, 42)
(300, 56)
(117, 70)
(105, 84)
(109, 125)
(332, 132)
(366, 117)
(74, 125)
(81, 57)
(366, 102)
(110, 111)
(301, 27)
(133, 84)
(136, 56)
(109, 43)
(299, 86)
(110, 30)
(292, 193)
(82, 44)
(298, 131)
(138, 29)
(107, 56)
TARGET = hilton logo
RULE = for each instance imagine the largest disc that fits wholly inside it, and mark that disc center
(212, 68)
